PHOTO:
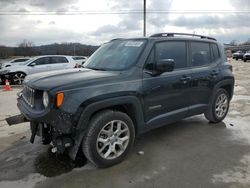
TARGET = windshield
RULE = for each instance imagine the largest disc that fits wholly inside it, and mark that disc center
(116, 55)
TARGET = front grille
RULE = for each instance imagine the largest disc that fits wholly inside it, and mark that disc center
(28, 95)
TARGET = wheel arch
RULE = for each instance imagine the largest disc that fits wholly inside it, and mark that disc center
(130, 105)
(227, 84)
(127, 104)
(13, 73)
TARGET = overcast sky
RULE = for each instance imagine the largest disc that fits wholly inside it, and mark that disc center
(90, 21)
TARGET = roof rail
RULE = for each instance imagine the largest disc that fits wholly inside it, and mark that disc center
(181, 34)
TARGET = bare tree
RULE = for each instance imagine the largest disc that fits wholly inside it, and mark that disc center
(6, 52)
(234, 43)
(26, 47)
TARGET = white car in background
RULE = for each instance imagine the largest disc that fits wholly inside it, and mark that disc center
(17, 61)
(80, 60)
(17, 73)
(246, 56)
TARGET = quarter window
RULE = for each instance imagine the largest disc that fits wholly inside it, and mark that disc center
(200, 53)
(175, 50)
(215, 50)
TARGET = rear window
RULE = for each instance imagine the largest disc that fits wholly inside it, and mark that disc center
(200, 53)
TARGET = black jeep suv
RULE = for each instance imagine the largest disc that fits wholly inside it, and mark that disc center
(127, 87)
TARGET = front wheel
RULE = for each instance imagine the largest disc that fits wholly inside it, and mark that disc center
(18, 78)
(219, 106)
(109, 138)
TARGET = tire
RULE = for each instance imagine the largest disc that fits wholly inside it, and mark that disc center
(236, 58)
(213, 115)
(18, 78)
(244, 60)
(101, 142)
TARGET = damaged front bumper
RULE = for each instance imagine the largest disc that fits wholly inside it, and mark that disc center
(52, 125)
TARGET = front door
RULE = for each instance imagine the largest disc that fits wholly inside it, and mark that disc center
(41, 64)
(166, 96)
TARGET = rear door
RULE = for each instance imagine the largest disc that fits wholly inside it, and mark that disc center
(204, 59)
(166, 96)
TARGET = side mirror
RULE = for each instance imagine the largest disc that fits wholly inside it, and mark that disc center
(32, 64)
(165, 65)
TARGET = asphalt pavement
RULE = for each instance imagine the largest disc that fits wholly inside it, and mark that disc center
(191, 153)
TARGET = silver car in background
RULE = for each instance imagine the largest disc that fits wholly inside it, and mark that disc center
(80, 60)
(17, 73)
(16, 61)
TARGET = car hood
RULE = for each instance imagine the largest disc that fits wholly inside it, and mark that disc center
(13, 68)
(69, 78)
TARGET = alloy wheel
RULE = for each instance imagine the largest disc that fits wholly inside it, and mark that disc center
(113, 139)
(221, 105)
(18, 78)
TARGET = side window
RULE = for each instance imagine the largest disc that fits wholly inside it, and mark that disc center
(55, 60)
(200, 53)
(78, 58)
(175, 50)
(216, 53)
(42, 61)
(19, 60)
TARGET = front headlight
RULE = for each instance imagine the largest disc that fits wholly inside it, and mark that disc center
(45, 99)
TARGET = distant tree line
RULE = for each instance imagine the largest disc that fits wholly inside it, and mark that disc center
(236, 43)
(27, 48)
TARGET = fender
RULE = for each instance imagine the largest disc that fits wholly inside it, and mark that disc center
(86, 114)
(225, 82)
(229, 81)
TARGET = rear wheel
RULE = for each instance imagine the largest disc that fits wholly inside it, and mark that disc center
(219, 106)
(18, 78)
(109, 138)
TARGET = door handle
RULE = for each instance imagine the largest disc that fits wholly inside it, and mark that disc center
(214, 73)
(185, 79)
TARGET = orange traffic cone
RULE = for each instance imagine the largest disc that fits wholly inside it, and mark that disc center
(7, 86)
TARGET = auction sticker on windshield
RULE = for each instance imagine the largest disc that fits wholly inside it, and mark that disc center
(134, 43)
